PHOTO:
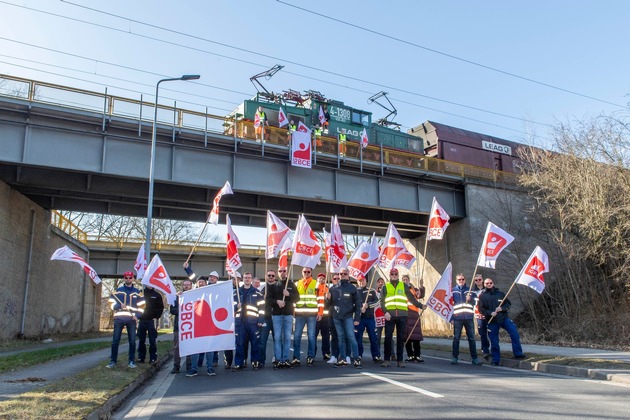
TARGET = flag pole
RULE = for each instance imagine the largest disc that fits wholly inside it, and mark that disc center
(424, 259)
(414, 326)
(370, 286)
(197, 241)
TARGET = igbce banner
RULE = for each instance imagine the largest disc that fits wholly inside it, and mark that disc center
(206, 319)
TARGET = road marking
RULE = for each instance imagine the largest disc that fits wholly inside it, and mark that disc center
(402, 385)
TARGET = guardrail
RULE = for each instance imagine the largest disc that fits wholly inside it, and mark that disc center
(373, 156)
(65, 225)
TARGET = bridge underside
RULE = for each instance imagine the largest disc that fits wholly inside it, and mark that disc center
(62, 159)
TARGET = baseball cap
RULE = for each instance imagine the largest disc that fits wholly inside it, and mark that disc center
(321, 275)
(238, 275)
(393, 271)
(214, 273)
(128, 274)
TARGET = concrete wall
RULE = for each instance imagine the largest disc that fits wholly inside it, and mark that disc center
(506, 208)
(59, 297)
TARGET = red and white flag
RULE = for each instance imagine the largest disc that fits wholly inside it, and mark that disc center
(438, 221)
(306, 248)
(404, 259)
(233, 262)
(302, 128)
(282, 118)
(322, 116)
(441, 299)
(495, 241)
(363, 258)
(206, 319)
(392, 246)
(256, 120)
(141, 263)
(364, 138)
(277, 232)
(283, 257)
(532, 273)
(336, 257)
(66, 254)
(157, 277)
(214, 213)
(301, 147)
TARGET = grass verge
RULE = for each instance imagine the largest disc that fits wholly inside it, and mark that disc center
(76, 396)
(31, 358)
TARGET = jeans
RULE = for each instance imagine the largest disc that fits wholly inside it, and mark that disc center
(119, 324)
(310, 322)
(345, 331)
(482, 327)
(400, 323)
(323, 327)
(368, 324)
(247, 332)
(147, 326)
(469, 325)
(195, 360)
(334, 339)
(282, 325)
(510, 327)
(266, 328)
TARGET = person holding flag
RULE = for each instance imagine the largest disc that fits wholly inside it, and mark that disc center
(282, 297)
(463, 318)
(127, 304)
(306, 314)
(394, 298)
(248, 320)
(494, 305)
(260, 120)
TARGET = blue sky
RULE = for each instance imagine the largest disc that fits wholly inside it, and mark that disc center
(579, 46)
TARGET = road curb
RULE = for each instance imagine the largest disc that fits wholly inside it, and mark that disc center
(588, 373)
(105, 411)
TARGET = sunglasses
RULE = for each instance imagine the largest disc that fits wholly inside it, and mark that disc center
(271, 275)
(128, 278)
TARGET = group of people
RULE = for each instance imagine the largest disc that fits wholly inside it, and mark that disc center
(339, 311)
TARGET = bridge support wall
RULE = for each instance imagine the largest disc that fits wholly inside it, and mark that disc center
(58, 296)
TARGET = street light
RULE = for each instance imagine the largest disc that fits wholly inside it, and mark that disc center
(147, 245)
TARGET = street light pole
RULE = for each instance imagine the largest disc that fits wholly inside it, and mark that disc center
(147, 244)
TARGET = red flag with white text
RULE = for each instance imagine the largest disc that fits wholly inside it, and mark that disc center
(157, 277)
(441, 299)
(438, 221)
(495, 241)
(277, 232)
(66, 254)
(306, 248)
(532, 273)
(206, 319)
(232, 243)
(363, 258)
(214, 213)
(282, 118)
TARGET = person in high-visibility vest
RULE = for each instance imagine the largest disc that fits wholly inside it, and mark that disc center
(394, 298)
(318, 136)
(260, 121)
(306, 313)
(342, 143)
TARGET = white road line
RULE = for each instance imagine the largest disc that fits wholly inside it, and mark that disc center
(144, 405)
(400, 384)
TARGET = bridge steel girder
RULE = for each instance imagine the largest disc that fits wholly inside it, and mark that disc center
(61, 159)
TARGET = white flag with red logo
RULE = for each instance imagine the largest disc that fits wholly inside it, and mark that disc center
(301, 148)
(157, 277)
(214, 213)
(364, 138)
(532, 273)
(206, 319)
(282, 118)
(256, 120)
(392, 246)
(141, 263)
(438, 221)
(404, 259)
(336, 257)
(306, 248)
(283, 257)
(232, 243)
(441, 299)
(495, 241)
(363, 258)
(277, 232)
(322, 116)
(66, 254)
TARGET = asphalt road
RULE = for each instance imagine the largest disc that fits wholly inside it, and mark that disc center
(434, 389)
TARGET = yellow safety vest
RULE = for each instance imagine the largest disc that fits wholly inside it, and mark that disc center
(307, 305)
(342, 137)
(396, 298)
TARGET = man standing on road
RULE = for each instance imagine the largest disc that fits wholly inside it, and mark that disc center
(154, 306)
(174, 310)
(394, 298)
(369, 301)
(323, 317)
(344, 303)
(305, 314)
(482, 324)
(248, 320)
(127, 304)
(282, 297)
(267, 326)
(495, 306)
(463, 318)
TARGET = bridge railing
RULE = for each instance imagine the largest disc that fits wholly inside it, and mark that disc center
(142, 112)
(65, 225)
